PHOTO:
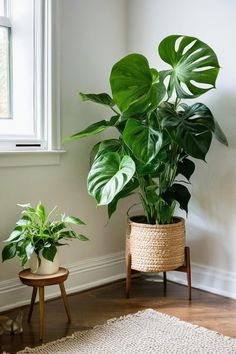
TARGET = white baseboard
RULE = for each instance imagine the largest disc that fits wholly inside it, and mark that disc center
(208, 278)
(93, 272)
(83, 275)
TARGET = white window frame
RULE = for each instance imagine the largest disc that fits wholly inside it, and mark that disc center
(52, 76)
(47, 90)
(5, 22)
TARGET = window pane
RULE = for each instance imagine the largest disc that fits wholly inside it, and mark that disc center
(4, 73)
(2, 12)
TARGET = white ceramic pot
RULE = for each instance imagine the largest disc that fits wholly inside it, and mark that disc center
(46, 267)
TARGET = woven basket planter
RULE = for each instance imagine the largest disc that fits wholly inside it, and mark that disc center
(155, 248)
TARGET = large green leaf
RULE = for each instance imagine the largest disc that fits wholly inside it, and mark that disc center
(194, 133)
(134, 85)
(9, 251)
(179, 193)
(66, 234)
(108, 176)
(15, 234)
(49, 252)
(152, 169)
(142, 140)
(57, 226)
(101, 148)
(70, 234)
(186, 168)
(102, 98)
(194, 65)
(149, 102)
(95, 128)
(167, 116)
(126, 192)
(191, 127)
(219, 134)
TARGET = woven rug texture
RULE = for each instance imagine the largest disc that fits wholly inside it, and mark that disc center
(144, 332)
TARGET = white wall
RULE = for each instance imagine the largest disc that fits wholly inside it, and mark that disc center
(93, 37)
(211, 223)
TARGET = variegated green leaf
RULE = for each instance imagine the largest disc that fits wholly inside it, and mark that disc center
(194, 65)
(143, 141)
(102, 98)
(95, 128)
(108, 176)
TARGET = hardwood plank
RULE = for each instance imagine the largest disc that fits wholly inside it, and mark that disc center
(96, 306)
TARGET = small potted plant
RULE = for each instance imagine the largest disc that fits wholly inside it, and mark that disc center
(160, 135)
(37, 236)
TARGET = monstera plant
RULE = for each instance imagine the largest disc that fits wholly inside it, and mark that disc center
(159, 132)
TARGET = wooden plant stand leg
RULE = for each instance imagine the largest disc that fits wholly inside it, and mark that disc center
(65, 300)
(128, 276)
(164, 281)
(34, 293)
(41, 312)
(186, 268)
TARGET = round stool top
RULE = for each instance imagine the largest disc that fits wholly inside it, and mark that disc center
(32, 279)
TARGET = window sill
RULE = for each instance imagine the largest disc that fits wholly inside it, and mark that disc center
(30, 158)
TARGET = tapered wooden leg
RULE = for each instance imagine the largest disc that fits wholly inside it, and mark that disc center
(188, 265)
(34, 293)
(164, 281)
(65, 300)
(128, 276)
(41, 312)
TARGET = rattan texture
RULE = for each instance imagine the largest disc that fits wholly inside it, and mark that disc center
(156, 248)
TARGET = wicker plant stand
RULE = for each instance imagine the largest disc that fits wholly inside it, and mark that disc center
(156, 248)
(186, 268)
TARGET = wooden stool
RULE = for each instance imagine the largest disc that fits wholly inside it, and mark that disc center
(39, 282)
(186, 268)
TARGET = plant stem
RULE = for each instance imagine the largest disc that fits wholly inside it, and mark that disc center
(115, 111)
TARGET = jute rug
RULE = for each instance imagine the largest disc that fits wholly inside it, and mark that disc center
(146, 331)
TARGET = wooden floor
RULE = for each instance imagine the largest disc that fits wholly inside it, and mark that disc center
(96, 306)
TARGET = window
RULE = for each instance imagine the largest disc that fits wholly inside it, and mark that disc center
(29, 112)
(5, 28)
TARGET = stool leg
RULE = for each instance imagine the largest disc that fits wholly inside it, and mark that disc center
(41, 312)
(164, 281)
(128, 276)
(188, 265)
(64, 297)
(34, 293)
